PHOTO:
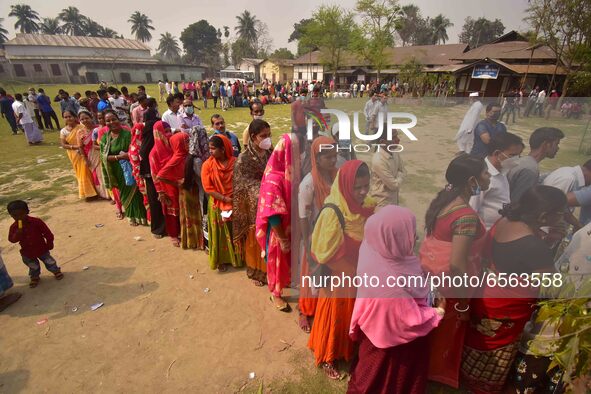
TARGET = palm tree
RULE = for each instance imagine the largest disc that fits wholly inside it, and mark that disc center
(169, 48)
(439, 24)
(50, 26)
(92, 28)
(409, 25)
(226, 31)
(26, 18)
(74, 21)
(247, 27)
(108, 33)
(141, 26)
(3, 33)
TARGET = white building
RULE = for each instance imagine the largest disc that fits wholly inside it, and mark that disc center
(251, 65)
(44, 58)
(308, 67)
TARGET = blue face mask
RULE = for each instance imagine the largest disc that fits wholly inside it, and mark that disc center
(477, 190)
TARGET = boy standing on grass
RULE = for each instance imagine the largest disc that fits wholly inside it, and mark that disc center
(36, 241)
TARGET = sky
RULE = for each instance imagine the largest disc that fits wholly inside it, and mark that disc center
(279, 15)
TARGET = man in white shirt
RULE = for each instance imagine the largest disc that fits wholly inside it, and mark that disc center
(24, 119)
(504, 151)
(361, 89)
(570, 179)
(161, 90)
(387, 172)
(119, 104)
(167, 87)
(171, 115)
(370, 111)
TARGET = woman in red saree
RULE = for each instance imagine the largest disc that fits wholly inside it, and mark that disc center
(335, 245)
(313, 190)
(273, 222)
(453, 245)
(159, 156)
(499, 314)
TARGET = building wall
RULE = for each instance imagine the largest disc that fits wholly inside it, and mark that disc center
(307, 72)
(55, 51)
(249, 67)
(139, 73)
(40, 71)
(282, 73)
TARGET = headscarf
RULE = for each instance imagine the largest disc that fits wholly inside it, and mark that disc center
(328, 236)
(174, 169)
(218, 178)
(161, 152)
(321, 187)
(391, 316)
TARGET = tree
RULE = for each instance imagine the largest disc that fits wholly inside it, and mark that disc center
(331, 31)
(411, 72)
(480, 31)
(264, 42)
(565, 27)
(380, 19)
(202, 45)
(439, 26)
(26, 18)
(241, 49)
(108, 33)
(296, 35)
(141, 26)
(168, 47)
(247, 27)
(74, 21)
(408, 26)
(92, 28)
(50, 26)
(424, 32)
(226, 31)
(282, 53)
(3, 32)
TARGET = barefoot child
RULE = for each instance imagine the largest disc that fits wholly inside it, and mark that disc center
(36, 241)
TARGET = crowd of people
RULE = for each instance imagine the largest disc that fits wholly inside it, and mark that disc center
(235, 197)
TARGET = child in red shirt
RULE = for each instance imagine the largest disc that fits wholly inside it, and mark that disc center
(36, 241)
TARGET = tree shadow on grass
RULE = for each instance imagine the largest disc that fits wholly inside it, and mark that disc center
(77, 292)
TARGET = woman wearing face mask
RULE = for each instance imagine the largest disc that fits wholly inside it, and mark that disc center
(336, 240)
(216, 175)
(71, 143)
(248, 173)
(499, 314)
(455, 237)
(313, 190)
(114, 148)
(504, 150)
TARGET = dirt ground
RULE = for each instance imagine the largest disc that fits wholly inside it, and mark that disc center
(168, 323)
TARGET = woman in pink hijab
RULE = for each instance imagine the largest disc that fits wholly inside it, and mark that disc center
(391, 323)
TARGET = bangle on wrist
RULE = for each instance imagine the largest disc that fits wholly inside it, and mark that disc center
(461, 310)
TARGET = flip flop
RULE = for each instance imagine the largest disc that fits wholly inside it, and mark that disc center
(281, 308)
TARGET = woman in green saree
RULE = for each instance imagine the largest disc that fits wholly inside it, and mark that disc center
(114, 152)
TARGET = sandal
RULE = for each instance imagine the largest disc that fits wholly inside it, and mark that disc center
(59, 276)
(305, 323)
(331, 372)
(258, 283)
(34, 282)
(222, 268)
(8, 300)
(176, 242)
(119, 215)
(281, 308)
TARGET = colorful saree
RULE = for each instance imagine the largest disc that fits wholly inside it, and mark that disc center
(275, 201)
(131, 198)
(218, 178)
(81, 170)
(93, 158)
(248, 173)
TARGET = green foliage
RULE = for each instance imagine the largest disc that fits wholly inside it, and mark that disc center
(282, 53)
(168, 48)
(476, 32)
(439, 26)
(26, 18)
(331, 31)
(241, 49)
(73, 21)
(411, 72)
(380, 19)
(296, 35)
(141, 26)
(3, 32)
(202, 45)
(247, 28)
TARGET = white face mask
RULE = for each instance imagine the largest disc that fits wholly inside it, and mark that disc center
(508, 163)
(255, 117)
(265, 144)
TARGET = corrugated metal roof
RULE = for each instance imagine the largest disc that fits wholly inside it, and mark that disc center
(105, 59)
(252, 61)
(508, 50)
(24, 39)
(544, 69)
(280, 62)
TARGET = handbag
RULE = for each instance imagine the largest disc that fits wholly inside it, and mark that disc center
(127, 172)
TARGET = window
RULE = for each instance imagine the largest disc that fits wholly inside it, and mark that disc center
(164, 76)
(182, 77)
(19, 70)
(148, 77)
(55, 69)
(300, 76)
(314, 76)
(125, 77)
(37, 68)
